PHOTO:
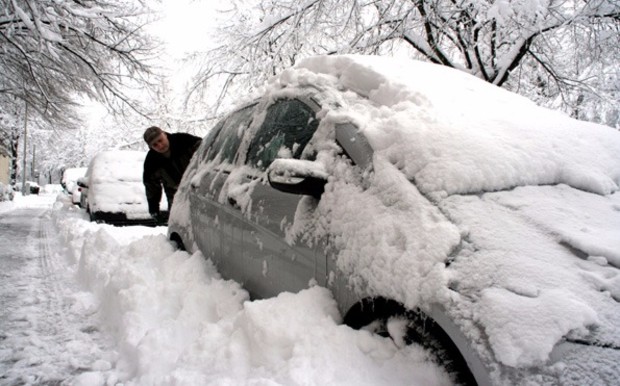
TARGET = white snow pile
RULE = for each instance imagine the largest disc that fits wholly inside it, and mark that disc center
(176, 322)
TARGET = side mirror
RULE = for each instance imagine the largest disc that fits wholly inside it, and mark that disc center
(82, 182)
(297, 177)
(354, 144)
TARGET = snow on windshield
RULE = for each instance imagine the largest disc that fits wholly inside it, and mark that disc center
(117, 165)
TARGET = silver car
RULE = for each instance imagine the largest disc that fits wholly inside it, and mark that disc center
(438, 209)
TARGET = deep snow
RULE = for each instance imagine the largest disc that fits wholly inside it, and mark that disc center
(160, 316)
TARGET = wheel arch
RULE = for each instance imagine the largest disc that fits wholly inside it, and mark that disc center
(367, 309)
(176, 238)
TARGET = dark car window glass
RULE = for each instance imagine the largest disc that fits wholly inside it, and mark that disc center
(229, 137)
(206, 142)
(289, 124)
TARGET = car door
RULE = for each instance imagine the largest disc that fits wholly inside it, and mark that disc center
(213, 227)
(272, 261)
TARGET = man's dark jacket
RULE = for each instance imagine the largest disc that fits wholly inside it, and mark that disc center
(167, 171)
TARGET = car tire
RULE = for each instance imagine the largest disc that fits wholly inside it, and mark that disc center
(376, 314)
(175, 238)
(91, 215)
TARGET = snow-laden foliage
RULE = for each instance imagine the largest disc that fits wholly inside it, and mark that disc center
(53, 50)
(55, 55)
(563, 53)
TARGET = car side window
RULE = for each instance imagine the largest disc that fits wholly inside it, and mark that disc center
(288, 126)
(228, 139)
(205, 146)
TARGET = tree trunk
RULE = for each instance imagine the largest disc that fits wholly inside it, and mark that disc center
(14, 142)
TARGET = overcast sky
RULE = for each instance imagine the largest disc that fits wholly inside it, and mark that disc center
(187, 25)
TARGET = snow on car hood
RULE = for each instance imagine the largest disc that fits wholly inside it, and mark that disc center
(520, 275)
(454, 133)
(518, 264)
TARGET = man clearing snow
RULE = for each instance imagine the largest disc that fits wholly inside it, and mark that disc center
(165, 163)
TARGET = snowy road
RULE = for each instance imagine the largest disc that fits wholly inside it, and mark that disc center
(44, 338)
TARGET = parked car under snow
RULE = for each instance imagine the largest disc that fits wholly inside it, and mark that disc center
(69, 183)
(439, 209)
(112, 188)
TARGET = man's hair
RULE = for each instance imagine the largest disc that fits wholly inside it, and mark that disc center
(151, 133)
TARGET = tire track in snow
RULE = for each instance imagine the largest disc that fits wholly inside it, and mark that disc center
(46, 333)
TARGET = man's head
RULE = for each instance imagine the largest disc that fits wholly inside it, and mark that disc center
(157, 139)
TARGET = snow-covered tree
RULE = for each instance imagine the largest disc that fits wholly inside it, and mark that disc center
(54, 54)
(55, 50)
(491, 39)
(576, 70)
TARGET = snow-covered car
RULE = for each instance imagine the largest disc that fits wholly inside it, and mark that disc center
(69, 183)
(33, 187)
(439, 210)
(112, 188)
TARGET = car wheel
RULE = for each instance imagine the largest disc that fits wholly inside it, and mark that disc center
(175, 238)
(391, 319)
(91, 215)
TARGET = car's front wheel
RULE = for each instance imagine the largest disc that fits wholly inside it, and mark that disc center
(391, 319)
(91, 215)
(174, 237)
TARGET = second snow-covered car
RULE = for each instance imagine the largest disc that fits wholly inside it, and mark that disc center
(112, 188)
(69, 183)
(439, 209)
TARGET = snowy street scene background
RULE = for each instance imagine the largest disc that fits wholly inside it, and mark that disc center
(483, 191)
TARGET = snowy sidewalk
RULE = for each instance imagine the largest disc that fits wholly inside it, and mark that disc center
(44, 337)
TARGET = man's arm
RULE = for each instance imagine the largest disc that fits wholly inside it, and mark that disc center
(152, 185)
